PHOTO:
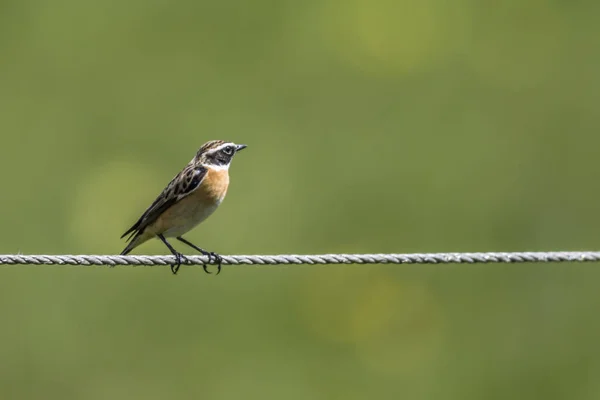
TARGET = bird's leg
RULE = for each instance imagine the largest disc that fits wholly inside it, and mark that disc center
(179, 258)
(211, 255)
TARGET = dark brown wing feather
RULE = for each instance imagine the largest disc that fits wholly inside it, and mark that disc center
(180, 186)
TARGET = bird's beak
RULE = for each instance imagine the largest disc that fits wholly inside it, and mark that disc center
(240, 147)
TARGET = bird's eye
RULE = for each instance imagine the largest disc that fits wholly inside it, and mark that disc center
(228, 150)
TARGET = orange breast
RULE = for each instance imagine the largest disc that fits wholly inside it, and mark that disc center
(194, 208)
(215, 184)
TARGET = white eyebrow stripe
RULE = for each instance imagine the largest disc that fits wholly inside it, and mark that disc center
(221, 147)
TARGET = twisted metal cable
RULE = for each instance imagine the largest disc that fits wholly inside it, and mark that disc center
(296, 259)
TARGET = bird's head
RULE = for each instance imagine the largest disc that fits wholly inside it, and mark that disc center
(218, 153)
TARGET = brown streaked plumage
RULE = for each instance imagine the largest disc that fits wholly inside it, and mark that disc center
(191, 197)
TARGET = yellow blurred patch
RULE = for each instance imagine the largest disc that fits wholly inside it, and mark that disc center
(375, 311)
(107, 202)
(401, 329)
(328, 302)
(389, 36)
(395, 326)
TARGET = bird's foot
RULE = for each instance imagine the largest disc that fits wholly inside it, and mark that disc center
(179, 259)
(213, 258)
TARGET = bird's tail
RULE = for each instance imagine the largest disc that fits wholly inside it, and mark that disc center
(127, 249)
(136, 240)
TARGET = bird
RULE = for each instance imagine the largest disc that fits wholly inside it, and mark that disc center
(187, 200)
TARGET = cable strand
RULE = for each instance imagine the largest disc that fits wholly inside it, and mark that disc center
(297, 259)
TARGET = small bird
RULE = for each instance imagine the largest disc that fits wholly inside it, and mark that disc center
(191, 197)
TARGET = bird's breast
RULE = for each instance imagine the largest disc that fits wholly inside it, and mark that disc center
(196, 207)
(214, 185)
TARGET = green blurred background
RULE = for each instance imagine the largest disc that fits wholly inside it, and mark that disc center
(373, 126)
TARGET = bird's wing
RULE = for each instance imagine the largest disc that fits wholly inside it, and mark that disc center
(180, 186)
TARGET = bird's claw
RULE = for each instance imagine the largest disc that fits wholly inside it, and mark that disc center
(217, 260)
(179, 259)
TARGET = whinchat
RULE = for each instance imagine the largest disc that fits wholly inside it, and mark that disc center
(191, 197)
